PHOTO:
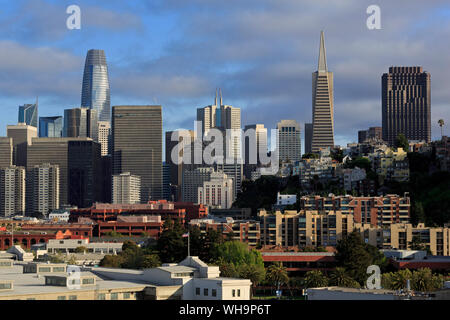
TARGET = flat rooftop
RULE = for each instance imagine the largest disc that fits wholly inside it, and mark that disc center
(31, 284)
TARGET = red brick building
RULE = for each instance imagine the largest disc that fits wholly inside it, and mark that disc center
(103, 212)
(132, 226)
(76, 229)
(28, 238)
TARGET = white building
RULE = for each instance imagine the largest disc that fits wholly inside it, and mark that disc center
(191, 279)
(69, 246)
(59, 215)
(217, 192)
(289, 141)
(104, 136)
(126, 188)
(286, 199)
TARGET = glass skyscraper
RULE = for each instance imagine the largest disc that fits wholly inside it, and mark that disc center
(95, 90)
(51, 127)
(28, 114)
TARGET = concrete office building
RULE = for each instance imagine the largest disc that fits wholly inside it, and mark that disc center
(323, 103)
(183, 140)
(192, 180)
(28, 114)
(79, 167)
(137, 146)
(126, 188)
(51, 127)
(6, 152)
(234, 171)
(81, 123)
(95, 93)
(255, 143)
(217, 192)
(12, 191)
(42, 189)
(104, 136)
(21, 135)
(406, 104)
(289, 141)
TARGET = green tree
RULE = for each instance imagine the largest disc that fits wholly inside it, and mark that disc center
(402, 142)
(277, 275)
(238, 253)
(255, 273)
(110, 261)
(355, 256)
(310, 156)
(315, 279)
(340, 278)
(171, 245)
(396, 280)
(423, 280)
(417, 212)
(150, 261)
(80, 249)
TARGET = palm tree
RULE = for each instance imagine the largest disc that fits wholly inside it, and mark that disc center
(400, 278)
(340, 278)
(315, 279)
(253, 272)
(277, 275)
(441, 124)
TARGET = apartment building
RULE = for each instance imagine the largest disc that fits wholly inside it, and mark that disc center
(378, 211)
(247, 231)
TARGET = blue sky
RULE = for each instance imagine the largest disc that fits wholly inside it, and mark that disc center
(260, 52)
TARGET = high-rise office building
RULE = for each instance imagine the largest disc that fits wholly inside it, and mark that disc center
(137, 146)
(96, 92)
(126, 188)
(79, 165)
(308, 137)
(104, 136)
(371, 133)
(81, 123)
(323, 103)
(253, 147)
(51, 127)
(6, 152)
(21, 135)
(192, 180)
(28, 114)
(12, 191)
(223, 117)
(42, 189)
(183, 140)
(85, 180)
(406, 104)
(289, 141)
(217, 192)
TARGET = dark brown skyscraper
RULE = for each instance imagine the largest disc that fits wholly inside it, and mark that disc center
(137, 146)
(406, 104)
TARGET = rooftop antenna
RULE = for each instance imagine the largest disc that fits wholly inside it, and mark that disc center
(215, 100)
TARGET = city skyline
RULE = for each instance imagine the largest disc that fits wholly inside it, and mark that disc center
(273, 71)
